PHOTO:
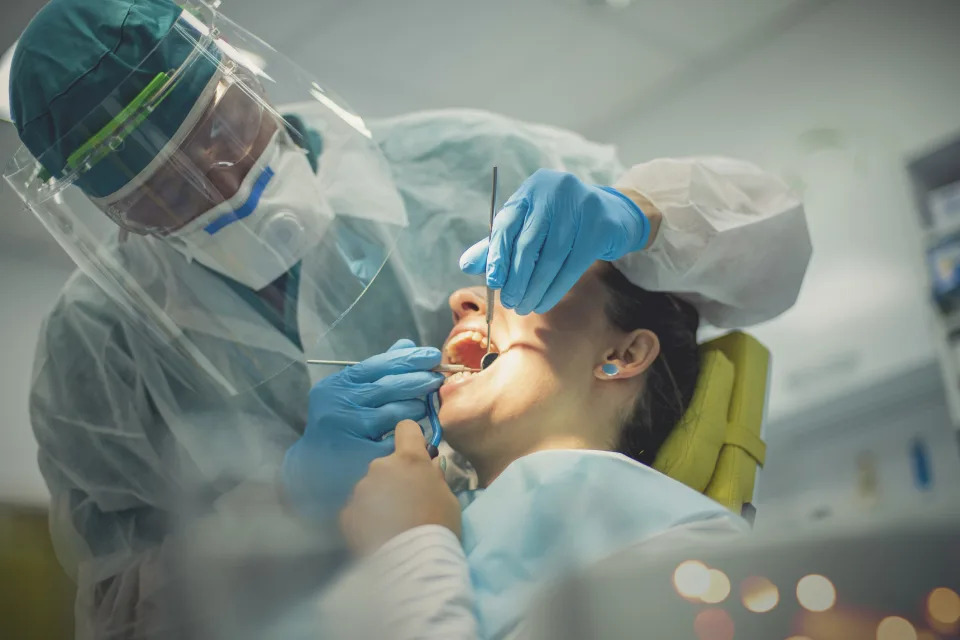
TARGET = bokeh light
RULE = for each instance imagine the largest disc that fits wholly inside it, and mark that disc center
(895, 628)
(718, 589)
(713, 624)
(691, 579)
(759, 594)
(816, 593)
(943, 605)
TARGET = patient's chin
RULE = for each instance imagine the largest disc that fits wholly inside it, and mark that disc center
(454, 419)
(460, 418)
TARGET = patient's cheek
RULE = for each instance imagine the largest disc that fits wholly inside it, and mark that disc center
(566, 331)
(576, 314)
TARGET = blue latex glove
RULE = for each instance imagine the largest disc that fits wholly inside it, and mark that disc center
(350, 414)
(549, 232)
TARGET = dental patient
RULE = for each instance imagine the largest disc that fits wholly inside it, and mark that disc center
(560, 431)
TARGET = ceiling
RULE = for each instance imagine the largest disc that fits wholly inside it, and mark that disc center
(565, 62)
(571, 63)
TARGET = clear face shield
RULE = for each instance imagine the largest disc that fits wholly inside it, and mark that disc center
(194, 238)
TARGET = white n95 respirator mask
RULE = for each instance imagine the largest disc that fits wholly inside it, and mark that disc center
(277, 215)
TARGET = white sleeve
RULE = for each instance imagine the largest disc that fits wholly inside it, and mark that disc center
(416, 586)
(733, 240)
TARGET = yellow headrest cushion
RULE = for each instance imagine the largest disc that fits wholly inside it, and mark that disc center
(736, 469)
(690, 452)
(716, 447)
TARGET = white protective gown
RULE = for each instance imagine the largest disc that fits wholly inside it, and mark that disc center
(124, 436)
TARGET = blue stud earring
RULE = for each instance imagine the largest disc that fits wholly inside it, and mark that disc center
(610, 369)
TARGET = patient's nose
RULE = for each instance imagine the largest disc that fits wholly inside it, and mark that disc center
(468, 301)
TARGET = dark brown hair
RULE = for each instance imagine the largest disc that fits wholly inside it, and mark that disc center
(672, 377)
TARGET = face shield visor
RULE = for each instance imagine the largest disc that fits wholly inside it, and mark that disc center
(240, 240)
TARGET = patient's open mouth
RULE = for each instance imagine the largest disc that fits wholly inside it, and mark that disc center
(467, 348)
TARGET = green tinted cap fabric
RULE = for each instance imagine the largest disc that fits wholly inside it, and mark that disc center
(79, 62)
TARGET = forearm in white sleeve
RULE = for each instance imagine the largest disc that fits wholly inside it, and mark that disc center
(416, 586)
(733, 239)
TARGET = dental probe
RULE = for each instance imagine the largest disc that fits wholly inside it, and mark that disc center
(489, 357)
(443, 368)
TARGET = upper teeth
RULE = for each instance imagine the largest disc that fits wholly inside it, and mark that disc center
(475, 336)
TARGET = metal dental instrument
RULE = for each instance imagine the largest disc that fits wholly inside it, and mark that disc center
(443, 368)
(489, 357)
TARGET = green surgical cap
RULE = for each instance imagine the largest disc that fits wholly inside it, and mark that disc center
(79, 62)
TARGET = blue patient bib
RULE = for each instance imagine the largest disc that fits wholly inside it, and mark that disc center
(555, 511)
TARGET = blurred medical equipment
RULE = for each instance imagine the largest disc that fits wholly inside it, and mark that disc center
(935, 176)
(943, 264)
(944, 205)
(488, 358)
(920, 465)
(441, 368)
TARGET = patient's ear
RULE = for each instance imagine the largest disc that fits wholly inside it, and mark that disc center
(631, 356)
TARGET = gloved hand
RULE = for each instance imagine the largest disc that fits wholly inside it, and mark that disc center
(349, 415)
(549, 233)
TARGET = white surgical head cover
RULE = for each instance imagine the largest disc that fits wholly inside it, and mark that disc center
(733, 242)
(552, 512)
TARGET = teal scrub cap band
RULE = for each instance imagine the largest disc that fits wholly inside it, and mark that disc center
(80, 64)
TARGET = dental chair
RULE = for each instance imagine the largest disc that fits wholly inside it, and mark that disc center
(717, 447)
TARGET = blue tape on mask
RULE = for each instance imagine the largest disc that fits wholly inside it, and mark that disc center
(246, 208)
